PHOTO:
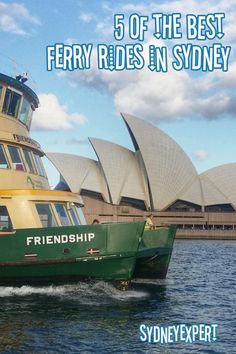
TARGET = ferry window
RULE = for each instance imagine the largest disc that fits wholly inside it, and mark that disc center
(46, 216)
(3, 160)
(29, 118)
(5, 220)
(62, 213)
(16, 158)
(29, 161)
(24, 111)
(39, 165)
(81, 215)
(11, 103)
(74, 215)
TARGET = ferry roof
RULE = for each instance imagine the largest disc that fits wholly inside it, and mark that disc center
(38, 192)
(21, 87)
(45, 195)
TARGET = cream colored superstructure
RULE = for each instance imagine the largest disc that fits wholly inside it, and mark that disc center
(20, 156)
(21, 205)
(26, 200)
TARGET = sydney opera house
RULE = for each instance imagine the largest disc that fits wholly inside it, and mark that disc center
(155, 177)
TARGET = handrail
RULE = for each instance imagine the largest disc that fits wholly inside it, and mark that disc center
(4, 233)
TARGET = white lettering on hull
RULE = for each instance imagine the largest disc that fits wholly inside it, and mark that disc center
(54, 239)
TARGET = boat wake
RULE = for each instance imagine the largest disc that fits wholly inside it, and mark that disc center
(91, 292)
(149, 281)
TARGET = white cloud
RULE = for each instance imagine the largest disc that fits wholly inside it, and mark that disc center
(14, 17)
(86, 17)
(75, 141)
(178, 6)
(51, 115)
(171, 95)
(71, 41)
(200, 155)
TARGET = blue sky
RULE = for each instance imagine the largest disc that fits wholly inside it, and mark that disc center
(197, 110)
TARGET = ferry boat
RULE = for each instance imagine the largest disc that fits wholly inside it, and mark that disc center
(42, 239)
(154, 252)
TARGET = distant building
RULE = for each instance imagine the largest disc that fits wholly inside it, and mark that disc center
(157, 176)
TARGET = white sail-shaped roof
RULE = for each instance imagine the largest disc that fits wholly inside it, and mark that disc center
(123, 174)
(219, 185)
(169, 170)
(192, 193)
(158, 172)
(80, 173)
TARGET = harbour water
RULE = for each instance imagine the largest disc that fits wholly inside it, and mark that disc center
(97, 318)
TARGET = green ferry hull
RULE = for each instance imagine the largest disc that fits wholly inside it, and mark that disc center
(67, 254)
(154, 253)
